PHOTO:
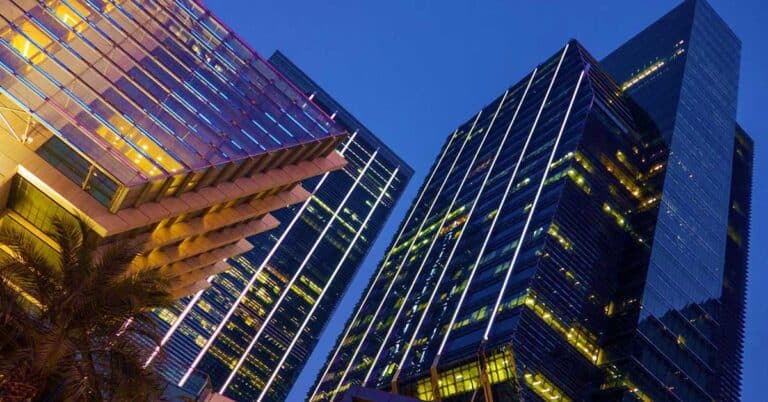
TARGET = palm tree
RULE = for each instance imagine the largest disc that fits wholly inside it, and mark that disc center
(71, 322)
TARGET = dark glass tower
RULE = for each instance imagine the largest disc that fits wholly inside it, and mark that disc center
(684, 71)
(521, 252)
(252, 331)
(732, 300)
(613, 270)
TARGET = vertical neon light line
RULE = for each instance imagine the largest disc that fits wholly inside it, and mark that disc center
(175, 325)
(258, 271)
(296, 276)
(519, 247)
(378, 274)
(461, 234)
(327, 285)
(405, 258)
(499, 209)
(197, 296)
(470, 166)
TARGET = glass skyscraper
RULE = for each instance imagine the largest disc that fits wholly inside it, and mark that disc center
(684, 71)
(583, 237)
(508, 256)
(155, 123)
(253, 329)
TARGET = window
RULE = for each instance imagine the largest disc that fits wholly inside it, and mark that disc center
(36, 207)
(79, 170)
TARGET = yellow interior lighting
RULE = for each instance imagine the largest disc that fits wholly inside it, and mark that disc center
(544, 388)
(68, 13)
(27, 48)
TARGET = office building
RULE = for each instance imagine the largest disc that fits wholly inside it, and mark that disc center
(686, 73)
(553, 303)
(156, 124)
(501, 275)
(252, 331)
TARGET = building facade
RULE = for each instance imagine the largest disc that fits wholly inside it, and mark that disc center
(252, 331)
(684, 71)
(613, 270)
(155, 123)
(733, 298)
(537, 215)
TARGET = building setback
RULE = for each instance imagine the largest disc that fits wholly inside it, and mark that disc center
(584, 237)
(252, 331)
(733, 298)
(155, 123)
(684, 71)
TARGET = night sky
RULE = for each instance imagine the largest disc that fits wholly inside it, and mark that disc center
(412, 71)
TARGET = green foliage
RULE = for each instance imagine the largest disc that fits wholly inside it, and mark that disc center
(71, 324)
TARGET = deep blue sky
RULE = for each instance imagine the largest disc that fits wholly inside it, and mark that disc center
(414, 70)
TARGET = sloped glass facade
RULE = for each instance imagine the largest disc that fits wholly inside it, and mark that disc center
(253, 330)
(156, 124)
(130, 92)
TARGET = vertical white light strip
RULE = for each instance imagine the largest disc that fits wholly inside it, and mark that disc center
(405, 258)
(424, 259)
(175, 325)
(258, 271)
(327, 285)
(296, 276)
(380, 270)
(461, 234)
(499, 209)
(519, 247)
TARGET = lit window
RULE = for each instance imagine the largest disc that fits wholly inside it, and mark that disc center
(30, 49)
(70, 14)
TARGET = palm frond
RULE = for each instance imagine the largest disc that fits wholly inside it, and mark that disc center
(128, 375)
(16, 277)
(78, 348)
(115, 261)
(26, 251)
(68, 233)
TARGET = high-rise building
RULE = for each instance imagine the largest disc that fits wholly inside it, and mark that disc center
(252, 331)
(684, 71)
(732, 300)
(489, 292)
(536, 217)
(155, 123)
